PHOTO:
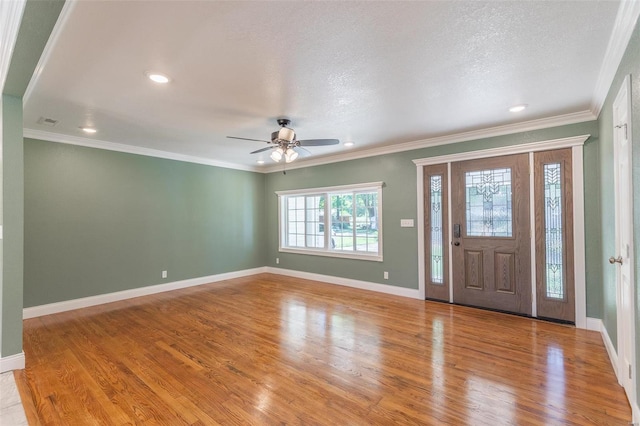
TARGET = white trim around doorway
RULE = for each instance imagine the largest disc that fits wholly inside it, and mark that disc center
(625, 318)
(576, 144)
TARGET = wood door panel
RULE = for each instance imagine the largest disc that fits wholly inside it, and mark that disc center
(494, 257)
(473, 269)
(505, 266)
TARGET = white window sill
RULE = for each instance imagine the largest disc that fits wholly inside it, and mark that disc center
(338, 254)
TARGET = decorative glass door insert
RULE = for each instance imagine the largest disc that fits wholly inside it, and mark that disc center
(488, 203)
(436, 236)
(437, 269)
(553, 230)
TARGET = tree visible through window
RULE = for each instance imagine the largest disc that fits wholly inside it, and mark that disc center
(339, 221)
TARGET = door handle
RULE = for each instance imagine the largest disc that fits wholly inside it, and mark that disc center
(613, 260)
(456, 230)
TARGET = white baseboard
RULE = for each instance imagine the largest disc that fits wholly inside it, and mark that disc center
(347, 282)
(596, 324)
(84, 302)
(611, 350)
(12, 362)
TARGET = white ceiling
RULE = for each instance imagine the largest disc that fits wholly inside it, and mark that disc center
(374, 73)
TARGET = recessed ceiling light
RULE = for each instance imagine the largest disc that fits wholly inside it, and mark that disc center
(518, 108)
(88, 129)
(158, 78)
(260, 161)
(349, 144)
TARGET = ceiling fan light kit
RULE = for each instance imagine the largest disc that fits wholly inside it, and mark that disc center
(290, 155)
(284, 143)
(277, 154)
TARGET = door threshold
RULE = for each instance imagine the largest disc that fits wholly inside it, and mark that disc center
(554, 320)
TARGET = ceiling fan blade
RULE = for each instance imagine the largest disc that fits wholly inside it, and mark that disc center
(263, 149)
(247, 139)
(302, 151)
(319, 142)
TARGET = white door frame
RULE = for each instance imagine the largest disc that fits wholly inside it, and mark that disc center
(625, 320)
(576, 144)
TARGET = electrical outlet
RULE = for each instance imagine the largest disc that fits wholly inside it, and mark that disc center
(164, 274)
(386, 275)
(277, 260)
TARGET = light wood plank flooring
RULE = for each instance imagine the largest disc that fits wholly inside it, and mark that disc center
(269, 350)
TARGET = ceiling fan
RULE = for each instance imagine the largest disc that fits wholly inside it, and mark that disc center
(284, 143)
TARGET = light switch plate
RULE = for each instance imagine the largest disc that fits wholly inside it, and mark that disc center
(406, 223)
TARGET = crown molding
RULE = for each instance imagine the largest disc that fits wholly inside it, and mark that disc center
(130, 149)
(569, 142)
(625, 22)
(526, 126)
(48, 48)
(10, 18)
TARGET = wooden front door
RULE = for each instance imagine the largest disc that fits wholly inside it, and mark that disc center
(490, 233)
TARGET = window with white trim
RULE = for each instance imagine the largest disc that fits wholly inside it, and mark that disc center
(339, 221)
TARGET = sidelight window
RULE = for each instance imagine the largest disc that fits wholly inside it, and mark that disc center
(553, 231)
(437, 269)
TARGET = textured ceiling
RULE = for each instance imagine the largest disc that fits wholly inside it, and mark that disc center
(373, 73)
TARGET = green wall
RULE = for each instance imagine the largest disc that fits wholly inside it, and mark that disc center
(630, 65)
(400, 202)
(101, 221)
(12, 216)
(38, 20)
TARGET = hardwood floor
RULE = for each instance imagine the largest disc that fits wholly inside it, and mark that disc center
(269, 350)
